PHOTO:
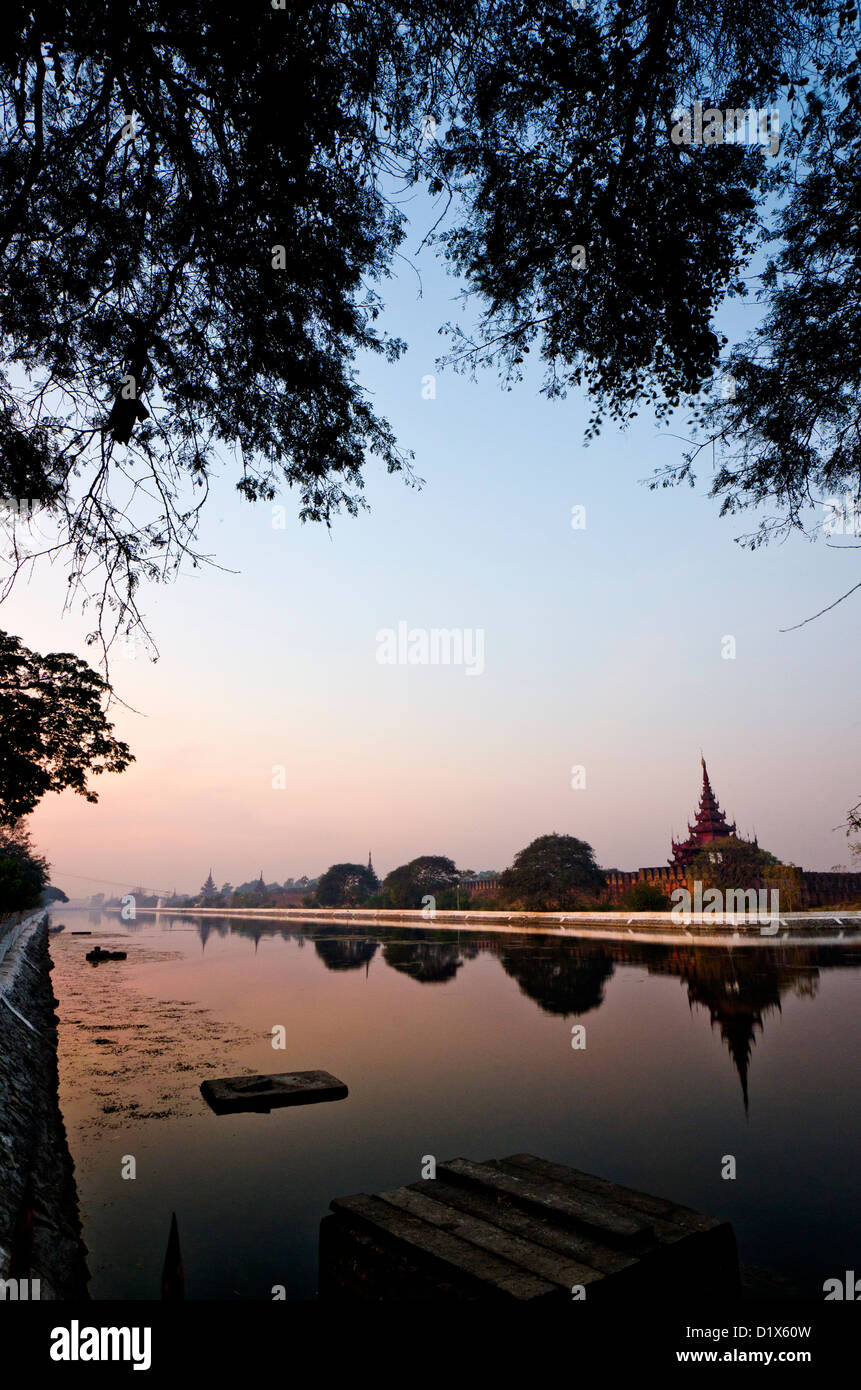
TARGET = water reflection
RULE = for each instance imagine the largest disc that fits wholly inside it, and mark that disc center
(739, 990)
(451, 1042)
(736, 985)
(429, 962)
(340, 954)
(568, 980)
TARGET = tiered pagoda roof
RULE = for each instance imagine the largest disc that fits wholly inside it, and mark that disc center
(710, 824)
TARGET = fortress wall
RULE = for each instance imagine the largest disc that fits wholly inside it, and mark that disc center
(817, 889)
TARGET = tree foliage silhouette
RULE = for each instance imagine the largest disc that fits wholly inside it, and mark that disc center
(552, 871)
(408, 884)
(55, 732)
(197, 215)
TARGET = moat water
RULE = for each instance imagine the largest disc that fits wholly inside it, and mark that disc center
(451, 1044)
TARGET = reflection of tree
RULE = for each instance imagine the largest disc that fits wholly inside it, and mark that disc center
(738, 985)
(564, 978)
(345, 953)
(429, 962)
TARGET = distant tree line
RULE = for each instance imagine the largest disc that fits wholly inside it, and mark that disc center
(254, 893)
(552, 873)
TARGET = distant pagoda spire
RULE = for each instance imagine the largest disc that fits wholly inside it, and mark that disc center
(370, 864)
(710, 824)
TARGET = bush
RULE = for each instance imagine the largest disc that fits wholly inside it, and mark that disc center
(645, 897)
(23, 873)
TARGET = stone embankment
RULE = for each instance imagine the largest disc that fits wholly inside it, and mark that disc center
(760, 927)
(40, 1229)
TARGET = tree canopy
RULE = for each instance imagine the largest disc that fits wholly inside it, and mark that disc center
(409, 883)
(730, 863)
(55, 732)
(23, 872)
(198, 215)
(346, 885)
(553, 871)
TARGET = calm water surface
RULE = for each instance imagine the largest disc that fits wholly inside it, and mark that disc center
(451, 1044)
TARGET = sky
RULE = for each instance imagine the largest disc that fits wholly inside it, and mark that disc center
(269, 736)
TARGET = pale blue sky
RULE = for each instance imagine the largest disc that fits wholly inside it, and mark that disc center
(603, 648)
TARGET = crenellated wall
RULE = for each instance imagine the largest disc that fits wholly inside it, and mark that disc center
(817, 889)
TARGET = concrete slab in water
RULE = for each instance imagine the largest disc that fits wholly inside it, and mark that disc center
(231, 1094)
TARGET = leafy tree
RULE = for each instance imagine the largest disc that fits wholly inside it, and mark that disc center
(54, 729)
(429, 874)
(346, 885)
(730, 863)
(23, 872)
(194, 221)
(738, 864)
(54, 895)
(788, 881)
(553, 871)
(789, 432)
(196, 216)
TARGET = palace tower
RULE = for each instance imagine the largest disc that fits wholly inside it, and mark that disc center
(710, 824)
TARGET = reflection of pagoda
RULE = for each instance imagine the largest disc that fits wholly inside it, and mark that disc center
(711, 824)
(740, 989)
(738, 1018)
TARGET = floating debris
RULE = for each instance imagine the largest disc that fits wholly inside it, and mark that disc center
(96, 956)
(263, 1093)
